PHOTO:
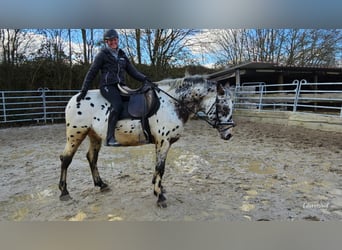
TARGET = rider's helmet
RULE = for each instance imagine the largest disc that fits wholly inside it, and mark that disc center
(110, 34)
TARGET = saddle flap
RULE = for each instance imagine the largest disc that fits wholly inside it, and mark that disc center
(137, 105)
(143, 105)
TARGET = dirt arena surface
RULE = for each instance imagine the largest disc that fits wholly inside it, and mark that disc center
(265, 172)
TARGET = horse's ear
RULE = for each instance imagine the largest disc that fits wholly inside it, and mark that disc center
(220, 89)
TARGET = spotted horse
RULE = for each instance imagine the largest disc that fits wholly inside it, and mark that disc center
(179, 99)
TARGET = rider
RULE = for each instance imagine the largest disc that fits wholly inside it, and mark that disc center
(113, 63)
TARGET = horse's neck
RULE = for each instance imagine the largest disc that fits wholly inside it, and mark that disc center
(189, 95)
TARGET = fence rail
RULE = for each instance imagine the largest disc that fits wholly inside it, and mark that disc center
(298, 96)
(45, 105)
(33, 106)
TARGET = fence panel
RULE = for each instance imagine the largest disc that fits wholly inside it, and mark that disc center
(298, 96)
(33, 106)
(45, 105)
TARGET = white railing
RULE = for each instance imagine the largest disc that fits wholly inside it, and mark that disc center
(298, 96)
(38, 106)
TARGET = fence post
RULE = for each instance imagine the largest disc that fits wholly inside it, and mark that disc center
(261, 89)
(236, 96)
(43, 95)
(298, 88)
(4, 105)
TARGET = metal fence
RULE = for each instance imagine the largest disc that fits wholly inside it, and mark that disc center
(39, 106)
(298, 96)
(45, 105)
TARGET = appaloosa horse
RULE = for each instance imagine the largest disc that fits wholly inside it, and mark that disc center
(178, 99)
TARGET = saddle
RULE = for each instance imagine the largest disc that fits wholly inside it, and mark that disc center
(140, 103)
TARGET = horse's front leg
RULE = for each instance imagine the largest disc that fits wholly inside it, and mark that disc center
(162, 148)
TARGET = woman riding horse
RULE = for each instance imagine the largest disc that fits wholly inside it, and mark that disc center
(113, 64)
(179, 98)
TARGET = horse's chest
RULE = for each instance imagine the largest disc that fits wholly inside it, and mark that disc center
(166, 126)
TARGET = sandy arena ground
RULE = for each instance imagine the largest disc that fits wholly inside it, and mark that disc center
(265, 172)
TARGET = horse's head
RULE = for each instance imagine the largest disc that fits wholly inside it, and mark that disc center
(198, 93)
(219, 110)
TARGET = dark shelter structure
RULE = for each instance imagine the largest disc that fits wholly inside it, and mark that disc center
(271, 73)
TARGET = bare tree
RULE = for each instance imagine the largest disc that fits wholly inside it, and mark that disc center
(138, 39)
(88, 45)
(53, 49)
(130, 41)
(161, 48)
(166, 47)
(297, 47)
(231, 44)
(10, 42)
(70, 58)
(84, 40)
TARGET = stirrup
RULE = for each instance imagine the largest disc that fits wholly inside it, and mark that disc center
(111, 142)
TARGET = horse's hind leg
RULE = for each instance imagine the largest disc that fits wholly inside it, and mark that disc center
(73, 142)
(75, 136)
(66, 160)
(92, 156)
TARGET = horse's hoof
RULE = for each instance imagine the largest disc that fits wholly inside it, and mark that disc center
(105, 188)
(161, 201)
(161, 204)
(65, 197)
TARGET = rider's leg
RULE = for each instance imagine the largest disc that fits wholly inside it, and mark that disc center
(111, 93)
(112, 120)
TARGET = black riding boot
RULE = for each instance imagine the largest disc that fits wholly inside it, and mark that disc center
(112, 120)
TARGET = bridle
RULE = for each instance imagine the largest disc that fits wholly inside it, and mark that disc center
(214, 124)
(217, 121)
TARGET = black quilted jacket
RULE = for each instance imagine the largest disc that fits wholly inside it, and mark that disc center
(112, 69)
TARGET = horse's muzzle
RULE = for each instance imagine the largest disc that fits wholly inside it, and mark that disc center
(226, 131)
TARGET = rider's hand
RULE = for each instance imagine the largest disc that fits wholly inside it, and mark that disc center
(150, 83)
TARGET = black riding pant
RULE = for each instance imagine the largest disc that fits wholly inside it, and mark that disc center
(112, 94)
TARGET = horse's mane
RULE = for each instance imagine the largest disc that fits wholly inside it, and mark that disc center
(176, 82)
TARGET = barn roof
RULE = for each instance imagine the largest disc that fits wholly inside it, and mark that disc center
(264, 67)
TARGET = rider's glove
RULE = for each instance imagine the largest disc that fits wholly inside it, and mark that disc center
(150, 83)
